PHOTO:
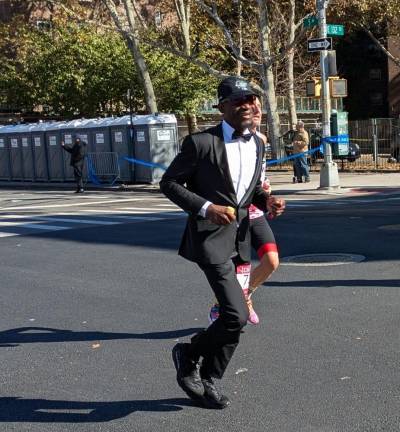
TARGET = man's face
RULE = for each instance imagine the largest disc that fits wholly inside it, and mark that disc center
(239, 112)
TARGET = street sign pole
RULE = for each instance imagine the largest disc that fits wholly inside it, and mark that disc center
(329, 176)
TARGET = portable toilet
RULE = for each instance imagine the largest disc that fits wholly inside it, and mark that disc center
(155, 141)
(83, 132)
(27, 152)
(4, 156)
(38, 139)
(15, 150)
(55, 153)
(68, 135)
(122, 143)
(99, 135)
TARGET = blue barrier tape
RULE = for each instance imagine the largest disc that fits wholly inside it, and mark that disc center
(91, 173)
(144, 163)
(271, 162)
(294, 156)
(93, 177)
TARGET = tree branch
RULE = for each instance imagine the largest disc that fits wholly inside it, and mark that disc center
(212, 12)
(203, 65)
(395, 60)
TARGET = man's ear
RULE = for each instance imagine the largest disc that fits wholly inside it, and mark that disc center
(221, 107)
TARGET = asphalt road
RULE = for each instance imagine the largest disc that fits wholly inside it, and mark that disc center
(90, 311)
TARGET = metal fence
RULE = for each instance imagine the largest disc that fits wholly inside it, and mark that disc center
(102, 167)
(377, 142)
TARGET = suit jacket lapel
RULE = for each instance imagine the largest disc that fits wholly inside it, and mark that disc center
(222, 161)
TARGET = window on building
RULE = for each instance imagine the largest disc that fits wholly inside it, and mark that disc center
(376, 99)
(374, 51)
(375, 74)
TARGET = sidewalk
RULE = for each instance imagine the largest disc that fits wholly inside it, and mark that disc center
(350, 184)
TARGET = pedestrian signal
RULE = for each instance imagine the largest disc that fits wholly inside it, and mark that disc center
(337, 87)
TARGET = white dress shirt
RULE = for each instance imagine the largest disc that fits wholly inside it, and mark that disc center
(242, 157)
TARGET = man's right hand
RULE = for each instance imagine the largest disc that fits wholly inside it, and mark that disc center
(220, 215)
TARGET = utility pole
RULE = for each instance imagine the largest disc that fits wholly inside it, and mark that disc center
(329, 176)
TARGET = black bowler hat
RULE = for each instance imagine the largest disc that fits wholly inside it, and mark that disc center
(234, 88)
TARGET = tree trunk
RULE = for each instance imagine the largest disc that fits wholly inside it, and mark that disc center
(240, 43)
(182, 8)
(291, 96)
(273, 121)
(267, 78)
(144, 76)
(290, 66)
(126, 25)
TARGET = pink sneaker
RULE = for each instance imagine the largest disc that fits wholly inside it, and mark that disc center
(253, 317)
(214, 313)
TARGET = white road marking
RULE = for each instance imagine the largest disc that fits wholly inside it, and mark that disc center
(144, 209)
(15, 223)
(43, 227)
(28, 207)
(77, 221)
(120, 216)
(6, 234)
(166, 205)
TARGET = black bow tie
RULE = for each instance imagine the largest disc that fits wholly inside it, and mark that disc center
(246, 137)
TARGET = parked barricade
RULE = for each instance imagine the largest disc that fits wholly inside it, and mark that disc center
(102, 168)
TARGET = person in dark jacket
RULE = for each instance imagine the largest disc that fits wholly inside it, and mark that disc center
(78, 153)
(214, 178)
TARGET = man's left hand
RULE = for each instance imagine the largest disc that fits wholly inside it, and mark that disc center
(276, 206)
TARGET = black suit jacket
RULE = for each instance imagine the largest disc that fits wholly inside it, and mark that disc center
(202, 166)
(78, 152)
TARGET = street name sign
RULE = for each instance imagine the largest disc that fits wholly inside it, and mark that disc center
(319, 44)
(335, 30)
(311, 21)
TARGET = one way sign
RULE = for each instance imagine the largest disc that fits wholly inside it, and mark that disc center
(319, 44)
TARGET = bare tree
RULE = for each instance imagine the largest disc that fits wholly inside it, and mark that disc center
(183, 11)
(259, 65)
(125, 19)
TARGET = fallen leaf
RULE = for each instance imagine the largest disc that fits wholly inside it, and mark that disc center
(96, 345)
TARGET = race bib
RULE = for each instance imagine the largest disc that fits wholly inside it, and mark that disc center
(243, 275)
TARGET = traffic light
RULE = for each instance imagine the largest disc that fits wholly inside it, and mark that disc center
(313, 87)
(337, 87)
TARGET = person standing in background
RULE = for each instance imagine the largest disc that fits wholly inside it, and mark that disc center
(300, 145)
(78, 153)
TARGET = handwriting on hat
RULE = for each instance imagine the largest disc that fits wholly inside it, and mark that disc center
(242, 85)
